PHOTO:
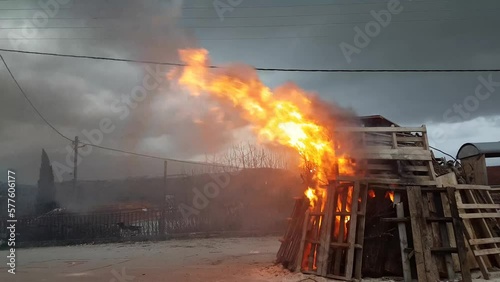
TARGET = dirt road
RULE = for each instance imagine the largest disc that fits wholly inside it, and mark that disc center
(193, 260)
(228, 259)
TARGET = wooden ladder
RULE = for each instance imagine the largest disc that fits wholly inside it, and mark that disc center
(479, 214)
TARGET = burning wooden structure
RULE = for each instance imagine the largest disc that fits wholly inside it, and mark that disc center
(435, 223)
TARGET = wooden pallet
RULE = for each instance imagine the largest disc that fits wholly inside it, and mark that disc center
(480, 214)
(334, 248)
(391, 158)
(399, 157)
(290, 243)
(424, 231)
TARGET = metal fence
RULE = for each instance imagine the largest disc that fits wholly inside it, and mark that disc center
(124, 225)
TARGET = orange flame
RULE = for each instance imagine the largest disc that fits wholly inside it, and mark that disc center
(390, 195)
(284, 115)
(371, 193)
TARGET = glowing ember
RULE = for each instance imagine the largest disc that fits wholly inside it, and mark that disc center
(285, 115)
(371, 193)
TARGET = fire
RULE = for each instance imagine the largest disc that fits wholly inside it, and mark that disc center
(371, 193)
(284, 115)
(390, 195)
(311, 195)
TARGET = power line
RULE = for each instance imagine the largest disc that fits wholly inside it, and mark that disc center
(484, 9)
(259, 26)
(246, 7)
(94, 145)
(328, 24)
(257, 68)
(29, 101)
(56, 27)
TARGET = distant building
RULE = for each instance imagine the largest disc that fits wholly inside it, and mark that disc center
(376, 121)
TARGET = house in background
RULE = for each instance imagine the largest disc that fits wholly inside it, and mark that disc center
(493, 176)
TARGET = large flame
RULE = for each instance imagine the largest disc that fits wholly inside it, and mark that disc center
(284, 115)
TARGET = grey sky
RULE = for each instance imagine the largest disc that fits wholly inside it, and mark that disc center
(76, 94)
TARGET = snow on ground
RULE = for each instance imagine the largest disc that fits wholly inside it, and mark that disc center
(193, 260)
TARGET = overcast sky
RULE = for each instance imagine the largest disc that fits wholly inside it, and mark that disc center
(75, 94)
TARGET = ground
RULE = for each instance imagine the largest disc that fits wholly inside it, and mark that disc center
(193, 260)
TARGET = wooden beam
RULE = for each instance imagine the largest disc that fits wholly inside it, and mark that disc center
(459, 236)
(399, 181)
(353, 224)
(485, 252)
(426, 268)
(403, 238)
(360, 233)
(480, 215)
(471, 187)
(484, 241)
(479, 206)
(381, 129)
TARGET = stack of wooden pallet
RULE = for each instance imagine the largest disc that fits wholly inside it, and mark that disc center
(396, 159)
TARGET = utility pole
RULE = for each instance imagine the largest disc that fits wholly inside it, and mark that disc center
(75, 169)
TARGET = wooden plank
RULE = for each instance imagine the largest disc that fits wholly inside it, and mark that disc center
(443, 234)
(479, 206)
(426, 268)
(484, 241)
(388, 156)
(480, 215)
(300, 255)
(399, 181)
(380, 129)
(338, 252)
(471, 187)
(417, 237)
(326, 235)
(395, 151)
(444, 250)
(459, 236)
(410, 139)
(394, 141)
(392, 167)
(360, 232)
(403, 238)
(482, 262)
(397, 219)
(485, 252)
(351, 239)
